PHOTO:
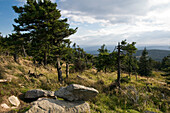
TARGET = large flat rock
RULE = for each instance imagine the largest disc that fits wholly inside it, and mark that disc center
(75, 92)
(37, 93)
(44, 105)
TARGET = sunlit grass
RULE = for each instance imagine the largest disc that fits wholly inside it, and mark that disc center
(109, 100)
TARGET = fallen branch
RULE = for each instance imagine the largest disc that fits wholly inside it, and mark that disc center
(3, 80)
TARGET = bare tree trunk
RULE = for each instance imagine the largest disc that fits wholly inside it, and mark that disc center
(129, 65)
(15, 57)
(105, 69)
(118, 66)
(60, 78)
(67, 70)
(45, 58)
(24, 52)
(136, 77)
(86, 63)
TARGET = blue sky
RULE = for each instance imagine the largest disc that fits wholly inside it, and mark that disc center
(7, 15)
(146, 22)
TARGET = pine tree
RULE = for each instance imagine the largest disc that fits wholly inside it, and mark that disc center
(5, 45)
(165, 65)
(104, 60)
(129, 50)
(125, 51)
(40, 22)
(145, 68)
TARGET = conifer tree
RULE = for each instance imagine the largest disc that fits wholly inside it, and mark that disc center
(4, 45)
(1, 42)
(129, 50)
(40, 21)
(104, 61)
(41, 24)
(165, 65)
(145, 68)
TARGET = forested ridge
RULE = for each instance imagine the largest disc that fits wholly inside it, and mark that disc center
(155, 54)
(39, 55)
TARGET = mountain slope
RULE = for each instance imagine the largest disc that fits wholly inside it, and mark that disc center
(157, 55)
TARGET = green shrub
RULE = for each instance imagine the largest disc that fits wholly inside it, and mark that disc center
(125, 79)
(164, 107)
(132, 111)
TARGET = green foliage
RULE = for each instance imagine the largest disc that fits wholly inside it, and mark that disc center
(41, 29)
(24, 90)
(156, 65)
(125, 79)
(155, 54)
(78, 57)
(110, 99)
(145, 68)
(165, 65)
(129, 63)
(24, 109)
(105, 60)
(4, 45)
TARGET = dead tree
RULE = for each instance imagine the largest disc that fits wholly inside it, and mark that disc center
(67, 69)
(60, 78)
(118, 66)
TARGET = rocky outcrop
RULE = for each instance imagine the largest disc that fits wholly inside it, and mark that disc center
(37, 93)
(58, 106)
(74, 100)
(75, 92)
(14, 101)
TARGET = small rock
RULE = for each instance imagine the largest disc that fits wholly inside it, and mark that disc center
(5, 106)
(37, 93)
(45, 105)
(14, 100)
(75, 92)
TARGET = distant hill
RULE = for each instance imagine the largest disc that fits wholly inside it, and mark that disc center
(155, 52)
(157, 55)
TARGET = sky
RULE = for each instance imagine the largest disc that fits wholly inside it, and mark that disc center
(146, 22)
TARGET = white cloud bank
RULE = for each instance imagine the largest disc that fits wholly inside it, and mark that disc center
(108, 21)
(144, 21)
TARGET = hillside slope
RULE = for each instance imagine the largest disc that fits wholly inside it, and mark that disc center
(146, 94)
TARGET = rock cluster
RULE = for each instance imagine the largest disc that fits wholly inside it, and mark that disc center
(44, 105)
(14, 101)
(74, 100)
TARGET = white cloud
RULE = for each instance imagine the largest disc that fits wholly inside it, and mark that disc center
(120, 11)
(109, 21)
(119, 19)
(24, 1)
(81, 17)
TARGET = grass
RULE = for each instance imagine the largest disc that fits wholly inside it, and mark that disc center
(153, 93)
